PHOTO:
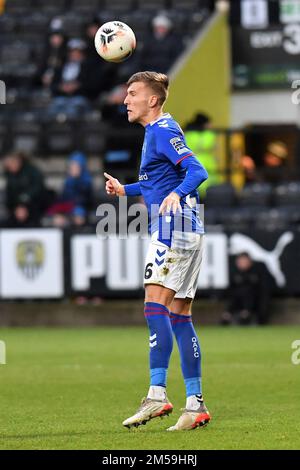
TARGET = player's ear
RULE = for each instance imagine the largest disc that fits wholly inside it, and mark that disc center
(153, 100)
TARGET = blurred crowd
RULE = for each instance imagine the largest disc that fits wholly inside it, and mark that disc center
(70, 73)
(71, 87)
(28, 199)
(67, 90)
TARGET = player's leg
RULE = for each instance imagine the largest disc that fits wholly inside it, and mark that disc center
(159, 294)
(157, 302)
(165, 273)
(195, 413)
(189, 349)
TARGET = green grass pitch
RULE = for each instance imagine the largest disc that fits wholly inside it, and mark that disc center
(72, 388)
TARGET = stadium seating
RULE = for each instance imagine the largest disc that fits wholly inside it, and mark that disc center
(7, 24)
(235, 218)
(93, 134)
(16, 52)
(152, 5)
(34, 23)
(256, 194)
(55, 7)
(3, 138)
(222, 195)
(210, 216)
(73, 23)
(272, 219)
(83, 7)
(26, 134)
(287, 194)
(119, 6)
(19, 7)
(189, 5)
(59, 137)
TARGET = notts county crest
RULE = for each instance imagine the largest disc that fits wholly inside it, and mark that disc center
(30, 258)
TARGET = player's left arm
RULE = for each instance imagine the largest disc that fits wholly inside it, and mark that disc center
(195, 175)
(172, 144)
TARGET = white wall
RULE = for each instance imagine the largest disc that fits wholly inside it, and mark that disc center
(264, 107)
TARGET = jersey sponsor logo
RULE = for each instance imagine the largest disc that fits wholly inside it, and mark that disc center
(178, 145)
(143, 177)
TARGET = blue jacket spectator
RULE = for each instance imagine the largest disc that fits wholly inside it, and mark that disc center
(78, 187)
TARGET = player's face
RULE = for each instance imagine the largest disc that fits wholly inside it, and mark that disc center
(138, 102)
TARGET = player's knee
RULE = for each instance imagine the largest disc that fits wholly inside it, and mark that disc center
(158, 300)
(182, 306)
(159, 295)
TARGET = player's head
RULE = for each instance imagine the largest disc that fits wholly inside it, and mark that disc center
(146, 94)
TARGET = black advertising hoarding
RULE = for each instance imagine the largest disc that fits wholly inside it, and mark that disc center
(51, 263)
(268, 58)
(114, 267)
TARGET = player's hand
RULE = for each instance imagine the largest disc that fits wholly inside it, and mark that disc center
(113, 186)
(171, 203)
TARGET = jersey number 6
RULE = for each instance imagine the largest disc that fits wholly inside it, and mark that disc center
(148, 271)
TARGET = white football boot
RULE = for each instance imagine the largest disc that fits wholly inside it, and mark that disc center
(149, 409)
(192, 419)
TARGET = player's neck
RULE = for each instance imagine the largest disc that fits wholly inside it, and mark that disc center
(153, 116)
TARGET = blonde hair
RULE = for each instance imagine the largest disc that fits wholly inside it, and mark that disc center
(159, 82)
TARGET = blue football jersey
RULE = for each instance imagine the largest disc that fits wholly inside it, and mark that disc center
(160, 173)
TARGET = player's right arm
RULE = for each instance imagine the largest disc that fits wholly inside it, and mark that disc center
(115, 188)
(133, 189)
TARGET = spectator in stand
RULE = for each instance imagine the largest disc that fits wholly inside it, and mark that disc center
(249, 293)
(25, 191)
(79, 216)
(274, 169)
(78, 184)
(76, 198)
(53, 59)
(104, 72)
(248, 168)
(90, 31)
(75, 84)
(162, 47)
(113, 108)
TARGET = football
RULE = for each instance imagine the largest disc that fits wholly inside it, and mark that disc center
(115, 41)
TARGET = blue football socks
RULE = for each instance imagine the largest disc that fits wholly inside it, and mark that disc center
(160, 342)
(189, 350)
